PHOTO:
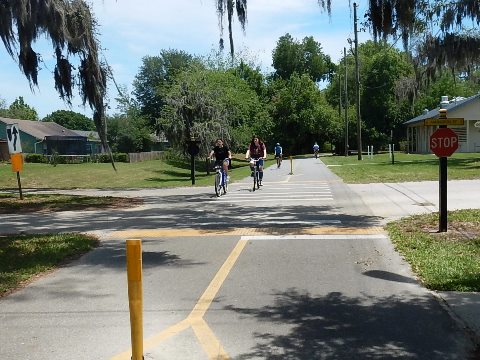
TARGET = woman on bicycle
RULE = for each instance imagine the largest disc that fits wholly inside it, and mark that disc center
(222, 154)
(257, 151)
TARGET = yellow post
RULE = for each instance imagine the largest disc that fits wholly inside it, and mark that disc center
(135, 296)
(291, 165)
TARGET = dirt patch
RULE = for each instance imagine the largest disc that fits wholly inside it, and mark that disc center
(83, 205)
(456, 231)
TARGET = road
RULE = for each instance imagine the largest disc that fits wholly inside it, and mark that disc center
(299, 269)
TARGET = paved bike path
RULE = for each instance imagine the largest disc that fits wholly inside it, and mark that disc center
(89, 293)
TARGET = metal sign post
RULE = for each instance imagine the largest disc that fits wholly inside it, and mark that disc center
(15, 150)
(443, 143)
(193, 149)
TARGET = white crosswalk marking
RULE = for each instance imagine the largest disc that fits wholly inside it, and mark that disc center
(278, 193)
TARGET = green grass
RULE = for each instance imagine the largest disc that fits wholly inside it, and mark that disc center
(407, 167)
(147, 174)
(448, 261)
(22, 257)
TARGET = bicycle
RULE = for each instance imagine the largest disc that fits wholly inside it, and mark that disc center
(279, 160)
(256, 173)
(221, 181)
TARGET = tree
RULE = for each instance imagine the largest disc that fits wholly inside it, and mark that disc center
(304, 57)
(128, 133)
(20, 110)
(71, 120)
(383, 67)
(155, 75)
(252, 76)
(404, 19)
(207, 104)
(71, 27)
(448, 84)
(302, 115)
(228, 7)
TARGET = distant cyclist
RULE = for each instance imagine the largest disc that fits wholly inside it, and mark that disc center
(257, 151)
(315, 149)
(278, 154)
(222, 154)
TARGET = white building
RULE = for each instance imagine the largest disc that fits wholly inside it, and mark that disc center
(418, 134)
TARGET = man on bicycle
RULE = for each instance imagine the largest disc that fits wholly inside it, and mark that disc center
(223, 155)
(257, 151)
(315, 149)
(278, 153)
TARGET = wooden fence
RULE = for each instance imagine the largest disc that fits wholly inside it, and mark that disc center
(143, 156)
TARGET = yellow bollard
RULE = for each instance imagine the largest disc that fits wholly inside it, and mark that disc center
(291, 165)
(135, 296)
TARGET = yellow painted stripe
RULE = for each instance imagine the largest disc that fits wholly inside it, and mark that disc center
(149, 233)
(205, 335)
(209, 342)
(156, 339)
(209, 294)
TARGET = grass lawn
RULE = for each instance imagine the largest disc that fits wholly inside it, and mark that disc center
(22, 257)
(443, 261)
(406, 167)
(147, 174)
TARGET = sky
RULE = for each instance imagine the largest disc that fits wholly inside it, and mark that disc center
(130, 30)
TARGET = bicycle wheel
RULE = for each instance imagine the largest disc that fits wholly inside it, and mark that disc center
(255, 179)
(225, 183)
(218, 183)
(258, 179)
(279, 161)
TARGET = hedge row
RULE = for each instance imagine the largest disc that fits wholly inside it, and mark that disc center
(59, 159)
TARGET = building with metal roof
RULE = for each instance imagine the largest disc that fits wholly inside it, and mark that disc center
(420, 128)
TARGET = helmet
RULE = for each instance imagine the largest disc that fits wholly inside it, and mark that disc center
(278, 144)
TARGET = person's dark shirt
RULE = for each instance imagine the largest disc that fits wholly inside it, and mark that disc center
(221, 153)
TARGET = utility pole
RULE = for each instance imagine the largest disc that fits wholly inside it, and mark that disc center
(357, 76)
(346, 102)
(339, 94)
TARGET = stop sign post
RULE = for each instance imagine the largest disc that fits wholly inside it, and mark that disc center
(443, 143)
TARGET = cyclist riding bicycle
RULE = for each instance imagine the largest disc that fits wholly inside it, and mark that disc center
(315, 149)
(278, 153)
(257, 151)
(223, 155)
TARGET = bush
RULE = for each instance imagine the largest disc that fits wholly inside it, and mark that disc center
(105, 158)
(120, 157)
(403, 145)
(35, 158)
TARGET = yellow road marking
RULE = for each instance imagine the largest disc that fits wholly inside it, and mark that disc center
(203, 332)
(206, 299)
(209, 342)
(148, 233)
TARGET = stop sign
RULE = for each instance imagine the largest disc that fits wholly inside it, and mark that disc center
(443, 142)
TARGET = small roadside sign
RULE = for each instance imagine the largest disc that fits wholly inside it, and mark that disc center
(13, 139)
(449, 121)
(17, 162)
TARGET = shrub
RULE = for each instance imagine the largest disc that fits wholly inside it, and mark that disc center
(120, 157)
(35, 158)
(105, 158)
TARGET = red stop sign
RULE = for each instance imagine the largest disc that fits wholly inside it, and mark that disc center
(443, 142)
